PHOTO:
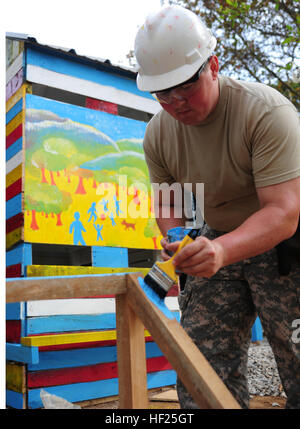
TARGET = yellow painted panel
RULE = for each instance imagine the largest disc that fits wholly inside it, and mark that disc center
(15, 377)
(61, 270)
(80, 337)
(14, 175)
(13, 237)
(16, 97)
(14, 123)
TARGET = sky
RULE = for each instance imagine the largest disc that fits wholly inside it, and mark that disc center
(103, 29)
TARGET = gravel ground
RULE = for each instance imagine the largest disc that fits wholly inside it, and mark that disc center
(263, 377)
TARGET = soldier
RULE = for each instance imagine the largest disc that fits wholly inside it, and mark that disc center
(242, 140)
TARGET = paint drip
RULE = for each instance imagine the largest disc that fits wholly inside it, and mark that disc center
(155, 299)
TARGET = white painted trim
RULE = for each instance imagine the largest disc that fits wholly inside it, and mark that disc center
(14, 67)
(57, 307)
(13, 162)
(90, 89)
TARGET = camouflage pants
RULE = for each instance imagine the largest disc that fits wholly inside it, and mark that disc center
(218, 314)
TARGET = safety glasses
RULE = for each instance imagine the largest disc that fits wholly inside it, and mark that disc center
(182, 91)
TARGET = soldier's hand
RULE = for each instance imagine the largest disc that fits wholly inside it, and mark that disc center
(202, 258)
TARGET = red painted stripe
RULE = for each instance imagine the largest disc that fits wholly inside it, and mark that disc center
(102, 371)
(14, 189)
(14, 270)
(13, 331)
(14, 222)
(14, 135)
(104, 106)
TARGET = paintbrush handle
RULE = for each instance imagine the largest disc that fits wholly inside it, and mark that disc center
(168, 266)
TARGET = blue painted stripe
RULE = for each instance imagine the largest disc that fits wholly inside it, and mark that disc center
(14, 399)
(13, 149)
(84, 357)
(71, 323)
(24, 354)
(14, 110)
(109, 256)
(83, 71)
(14, 311)
(97, 389)
(64, 277)
(14, 206)
(20, 254)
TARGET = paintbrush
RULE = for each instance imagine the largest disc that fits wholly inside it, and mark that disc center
(162, 275)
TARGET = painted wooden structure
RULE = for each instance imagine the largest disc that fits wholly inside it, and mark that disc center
(56, 99)
(136, 307)
(58, 104)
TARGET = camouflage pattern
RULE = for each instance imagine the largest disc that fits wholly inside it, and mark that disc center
(218, 314)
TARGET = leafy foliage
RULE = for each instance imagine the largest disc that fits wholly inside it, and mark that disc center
(257, 39)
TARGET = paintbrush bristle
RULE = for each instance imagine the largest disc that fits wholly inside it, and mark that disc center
(159, 281)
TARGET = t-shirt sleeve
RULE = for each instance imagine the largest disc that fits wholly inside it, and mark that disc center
(158, 172)
(276, 147)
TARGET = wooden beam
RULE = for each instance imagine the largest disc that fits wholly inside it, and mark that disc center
(131, 357)
(40, 288)
(191, 366)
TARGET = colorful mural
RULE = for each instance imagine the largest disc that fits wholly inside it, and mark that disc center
(86, 179)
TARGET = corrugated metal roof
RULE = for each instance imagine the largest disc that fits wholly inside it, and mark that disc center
(101, 62)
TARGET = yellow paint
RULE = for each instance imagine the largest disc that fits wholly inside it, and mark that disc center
(80, 337)
(14, 123)
(15, 377)
(17, 96)
(14, 175)
(61, 270)
(127, 232)
(13, 237)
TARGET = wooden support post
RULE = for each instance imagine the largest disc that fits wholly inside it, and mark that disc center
(196, 373)
(132, 372)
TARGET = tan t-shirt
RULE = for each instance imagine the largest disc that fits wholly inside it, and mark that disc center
(250, 140)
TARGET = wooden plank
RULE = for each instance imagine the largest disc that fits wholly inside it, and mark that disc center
(14, 135)
(13, 237)
(14, 148)
(131, 357)
(14, 175)
(11, 113)
(64, 270)
(77, 337)
(31, 289)
(84, 357)
(16, 377)
(196, 373)
(81, 306)
(104, 106)
(14, 84)
(15, 399)
(16, 97)
(13, 331)
(83, 374)
(97, 389)
(20, 353)
(109, 256)
(14, 222)
(14, 123)
(14, 162)
(72, 323)
(14, 189)
(14, 206)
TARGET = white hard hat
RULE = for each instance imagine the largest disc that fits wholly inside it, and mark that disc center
(170, 47)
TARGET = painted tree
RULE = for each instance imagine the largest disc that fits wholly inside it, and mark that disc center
(152, 231)
(42, 197)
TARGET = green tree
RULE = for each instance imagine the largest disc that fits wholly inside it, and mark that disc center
(257, 39)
